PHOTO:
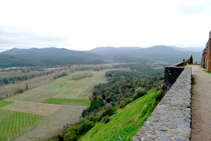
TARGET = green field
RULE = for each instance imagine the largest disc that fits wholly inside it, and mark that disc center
(52, 124)
(124, 120)
(14, 124)
(64, 101)
(72, 89)
(5, 103)
(71, 95)
(33, 95)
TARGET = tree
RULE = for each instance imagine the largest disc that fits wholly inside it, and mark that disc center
(191, 59)
(27, 87)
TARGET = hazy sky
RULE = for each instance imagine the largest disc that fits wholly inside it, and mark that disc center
(86, 24)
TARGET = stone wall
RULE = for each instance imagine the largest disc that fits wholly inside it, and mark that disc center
(171, 119)
(171, 75)
(206, 55)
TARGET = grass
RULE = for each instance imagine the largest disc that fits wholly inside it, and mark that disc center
(62, 91)
(73, 89)
(13, 124)
(33, 95)
(63, 101)
(136, 112)
(193, 82)
(5, 85)
(32, 83)
(53, 123)
(5, 103)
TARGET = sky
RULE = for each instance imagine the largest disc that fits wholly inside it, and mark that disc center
(87, 24)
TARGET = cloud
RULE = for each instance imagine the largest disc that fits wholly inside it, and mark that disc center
(194, 8)
(11, 37)
(82, 24)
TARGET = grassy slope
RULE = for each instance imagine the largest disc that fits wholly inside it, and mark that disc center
(63, 101)
(123, 120)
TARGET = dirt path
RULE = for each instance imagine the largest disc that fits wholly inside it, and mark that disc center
(201, 105)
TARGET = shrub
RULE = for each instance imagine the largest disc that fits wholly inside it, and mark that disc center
(95, 119)
(85, 127)
(109, 111)
(139, 94)
(107, 120)
(70, 137)
(159, 96)
(126, 102)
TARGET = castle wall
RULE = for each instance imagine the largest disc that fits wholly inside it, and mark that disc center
(209, 57)
(171, 119)
(206, 55)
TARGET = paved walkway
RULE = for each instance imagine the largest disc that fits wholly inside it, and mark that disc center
(201, 105)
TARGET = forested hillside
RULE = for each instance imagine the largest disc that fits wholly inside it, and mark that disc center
(153, 54)
(52, 57)
(12, 61)
(48, 57)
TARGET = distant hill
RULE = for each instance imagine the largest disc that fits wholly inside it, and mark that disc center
(9, 61)
(50, 52)
(60, 56)
(48, 57)
(153, 54)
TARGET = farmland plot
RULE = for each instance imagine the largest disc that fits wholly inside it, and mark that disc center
(14, 124)
(43, 111)
(33, 95)
(73, 89)
(63, 118)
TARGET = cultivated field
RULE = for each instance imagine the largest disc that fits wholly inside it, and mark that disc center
(43, 111)
(75, 89)
(13, 124)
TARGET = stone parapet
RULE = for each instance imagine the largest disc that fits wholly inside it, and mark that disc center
(171, 119)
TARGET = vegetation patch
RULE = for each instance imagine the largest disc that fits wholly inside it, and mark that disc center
(5, 103)
(75, 88)
(33, 95)
(193, 82)
(126, 123)
(81, 76)
(13, 124)
(35, 108)
(63, 101)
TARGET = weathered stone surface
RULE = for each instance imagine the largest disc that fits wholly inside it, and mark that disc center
(171, 119)
(163, 138)
(136, 139)
(178, 139)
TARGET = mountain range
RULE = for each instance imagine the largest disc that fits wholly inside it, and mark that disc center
(153, 54)
(60, 56)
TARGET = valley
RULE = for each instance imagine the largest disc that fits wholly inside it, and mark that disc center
(63, 99)
(42, 111)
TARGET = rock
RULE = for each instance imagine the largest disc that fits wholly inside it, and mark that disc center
(159, 128)
(135, 139)
(157, 123)
(134, 124)
(119, 138)
(146, 122)
(178, 139)
(163, 138)
(185, 122)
